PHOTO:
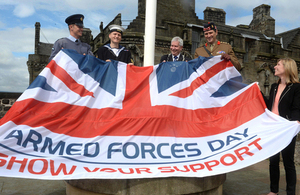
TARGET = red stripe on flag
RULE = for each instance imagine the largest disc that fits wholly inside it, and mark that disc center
(137, 94)
(209, 73)
(68, 80)
(80, 121)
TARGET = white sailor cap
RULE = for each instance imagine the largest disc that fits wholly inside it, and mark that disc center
(116, 28)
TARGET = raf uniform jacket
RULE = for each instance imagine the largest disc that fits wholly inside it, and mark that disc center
(169, 58)
(67, 43)
(219, 49)
(105, 53)
(289, 101)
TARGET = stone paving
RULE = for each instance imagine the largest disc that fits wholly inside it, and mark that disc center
(253, 180)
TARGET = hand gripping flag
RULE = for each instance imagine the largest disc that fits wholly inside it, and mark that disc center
(86, 118)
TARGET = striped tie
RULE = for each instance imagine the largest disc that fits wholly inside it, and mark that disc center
(175, 58)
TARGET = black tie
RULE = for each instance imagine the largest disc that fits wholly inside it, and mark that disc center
(76, 41)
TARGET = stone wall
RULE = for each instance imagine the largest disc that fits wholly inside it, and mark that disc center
(6, 101)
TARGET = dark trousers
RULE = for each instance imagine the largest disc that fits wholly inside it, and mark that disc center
(289, 166)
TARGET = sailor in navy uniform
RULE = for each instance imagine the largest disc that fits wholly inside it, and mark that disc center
(113, 50)
(75, 24)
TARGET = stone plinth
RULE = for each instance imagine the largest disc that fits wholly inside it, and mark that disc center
(297, 150)
(156, 186)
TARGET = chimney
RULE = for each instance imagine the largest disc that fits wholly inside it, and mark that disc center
(37, 37)
(262, 21)
(214, 15)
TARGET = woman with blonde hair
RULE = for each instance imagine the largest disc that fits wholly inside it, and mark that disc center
(284, 100)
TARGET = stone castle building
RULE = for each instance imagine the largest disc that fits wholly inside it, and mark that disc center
(256, 45)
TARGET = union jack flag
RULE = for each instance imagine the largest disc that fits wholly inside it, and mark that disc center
(103, 94)
(92, 112)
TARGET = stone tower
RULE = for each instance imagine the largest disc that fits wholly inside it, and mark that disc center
(172, 19)
(214, 14)
(37, 37)
(182, 11)
(37, 61)
(262, 21)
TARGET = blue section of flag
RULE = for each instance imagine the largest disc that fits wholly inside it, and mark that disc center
(106, 73)
(196, 63)
(41, 82)
(229, 87)
(172, 73)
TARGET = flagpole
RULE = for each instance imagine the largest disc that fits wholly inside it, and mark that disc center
(150, 27)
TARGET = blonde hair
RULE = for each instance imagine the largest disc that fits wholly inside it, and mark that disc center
(291, 70)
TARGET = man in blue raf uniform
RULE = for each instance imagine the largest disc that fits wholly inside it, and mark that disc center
(113, 50)
(75, 24)
(213, 47)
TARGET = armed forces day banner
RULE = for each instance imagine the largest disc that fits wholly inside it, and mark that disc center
(86, 118)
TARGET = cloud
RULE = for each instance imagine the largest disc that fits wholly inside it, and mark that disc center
(226, 5)
(93, 20)
(18, 39)
(2, 25)
(99, 4)
(51, 35)
(234, 21)
(14, 75)
(286, 14)
(22, 10)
